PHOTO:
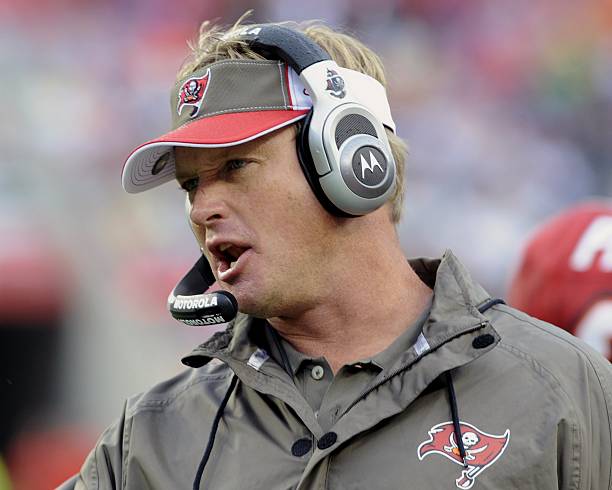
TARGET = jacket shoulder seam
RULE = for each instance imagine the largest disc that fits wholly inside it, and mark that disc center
(508, 311)
(542, 371)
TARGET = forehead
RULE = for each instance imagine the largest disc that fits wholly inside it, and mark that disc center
(278, 142)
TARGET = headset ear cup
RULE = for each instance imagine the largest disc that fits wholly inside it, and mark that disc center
(308, 167)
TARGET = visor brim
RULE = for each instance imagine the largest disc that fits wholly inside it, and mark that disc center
(141, 173)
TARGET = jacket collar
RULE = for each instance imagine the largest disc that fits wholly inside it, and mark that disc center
(456, 296)
(454, 310)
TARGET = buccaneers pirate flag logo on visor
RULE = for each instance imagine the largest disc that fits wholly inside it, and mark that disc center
(481, 449)
(192, 94)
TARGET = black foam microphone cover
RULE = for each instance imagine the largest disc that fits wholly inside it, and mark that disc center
(191, 304)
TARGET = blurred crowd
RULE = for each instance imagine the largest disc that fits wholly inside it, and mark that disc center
(506, 107)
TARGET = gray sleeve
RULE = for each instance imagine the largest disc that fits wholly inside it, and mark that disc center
(596, 437)
(103, 468)
(69, 484)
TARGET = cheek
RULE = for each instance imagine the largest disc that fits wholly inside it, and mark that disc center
(294, 206)
(199, 232)
(300, 226)
(297, 195)
(286, 210)
(281, 190)
(278, 219)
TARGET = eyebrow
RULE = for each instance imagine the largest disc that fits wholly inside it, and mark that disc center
(224, 154)
(227, 152)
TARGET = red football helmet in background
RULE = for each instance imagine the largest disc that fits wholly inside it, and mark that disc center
(565, 274)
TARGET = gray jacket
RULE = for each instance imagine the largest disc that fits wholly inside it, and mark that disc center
(534, 407)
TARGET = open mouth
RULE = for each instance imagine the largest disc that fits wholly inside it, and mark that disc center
(228, 259)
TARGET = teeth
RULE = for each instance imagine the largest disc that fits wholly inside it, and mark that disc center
(233, 263)
(224, 247)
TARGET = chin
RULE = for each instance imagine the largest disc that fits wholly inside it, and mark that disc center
(258, 305)
(254, 308)
(250, 300)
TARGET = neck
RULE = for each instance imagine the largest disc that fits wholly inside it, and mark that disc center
(369, 305)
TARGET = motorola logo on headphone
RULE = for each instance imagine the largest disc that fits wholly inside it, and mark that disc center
(365, 167)
(369, 166)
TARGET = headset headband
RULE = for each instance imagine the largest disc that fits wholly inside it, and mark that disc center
(292, 46)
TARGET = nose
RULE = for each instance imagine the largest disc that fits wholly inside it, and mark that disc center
(208, 206)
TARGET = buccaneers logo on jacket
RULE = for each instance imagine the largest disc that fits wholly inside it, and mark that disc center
(481, 449)
(192, 93)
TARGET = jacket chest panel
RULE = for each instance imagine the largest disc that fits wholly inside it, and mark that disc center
(507, 445)
(512, 437)
(417, 449)
(252, 449)
(414, 449)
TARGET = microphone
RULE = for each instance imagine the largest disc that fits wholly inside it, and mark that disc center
(188, 304)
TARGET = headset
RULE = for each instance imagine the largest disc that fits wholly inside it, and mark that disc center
(342, 148)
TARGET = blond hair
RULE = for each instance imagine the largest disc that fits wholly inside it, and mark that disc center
(215, 43)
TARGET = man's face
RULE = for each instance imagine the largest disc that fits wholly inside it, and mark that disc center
(268, 240)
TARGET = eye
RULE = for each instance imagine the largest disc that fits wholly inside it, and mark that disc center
(236, 164)
(190, 185)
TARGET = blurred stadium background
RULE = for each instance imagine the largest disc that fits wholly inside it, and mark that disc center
(507, 108)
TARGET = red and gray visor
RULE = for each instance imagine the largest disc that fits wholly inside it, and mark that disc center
(228, 103)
